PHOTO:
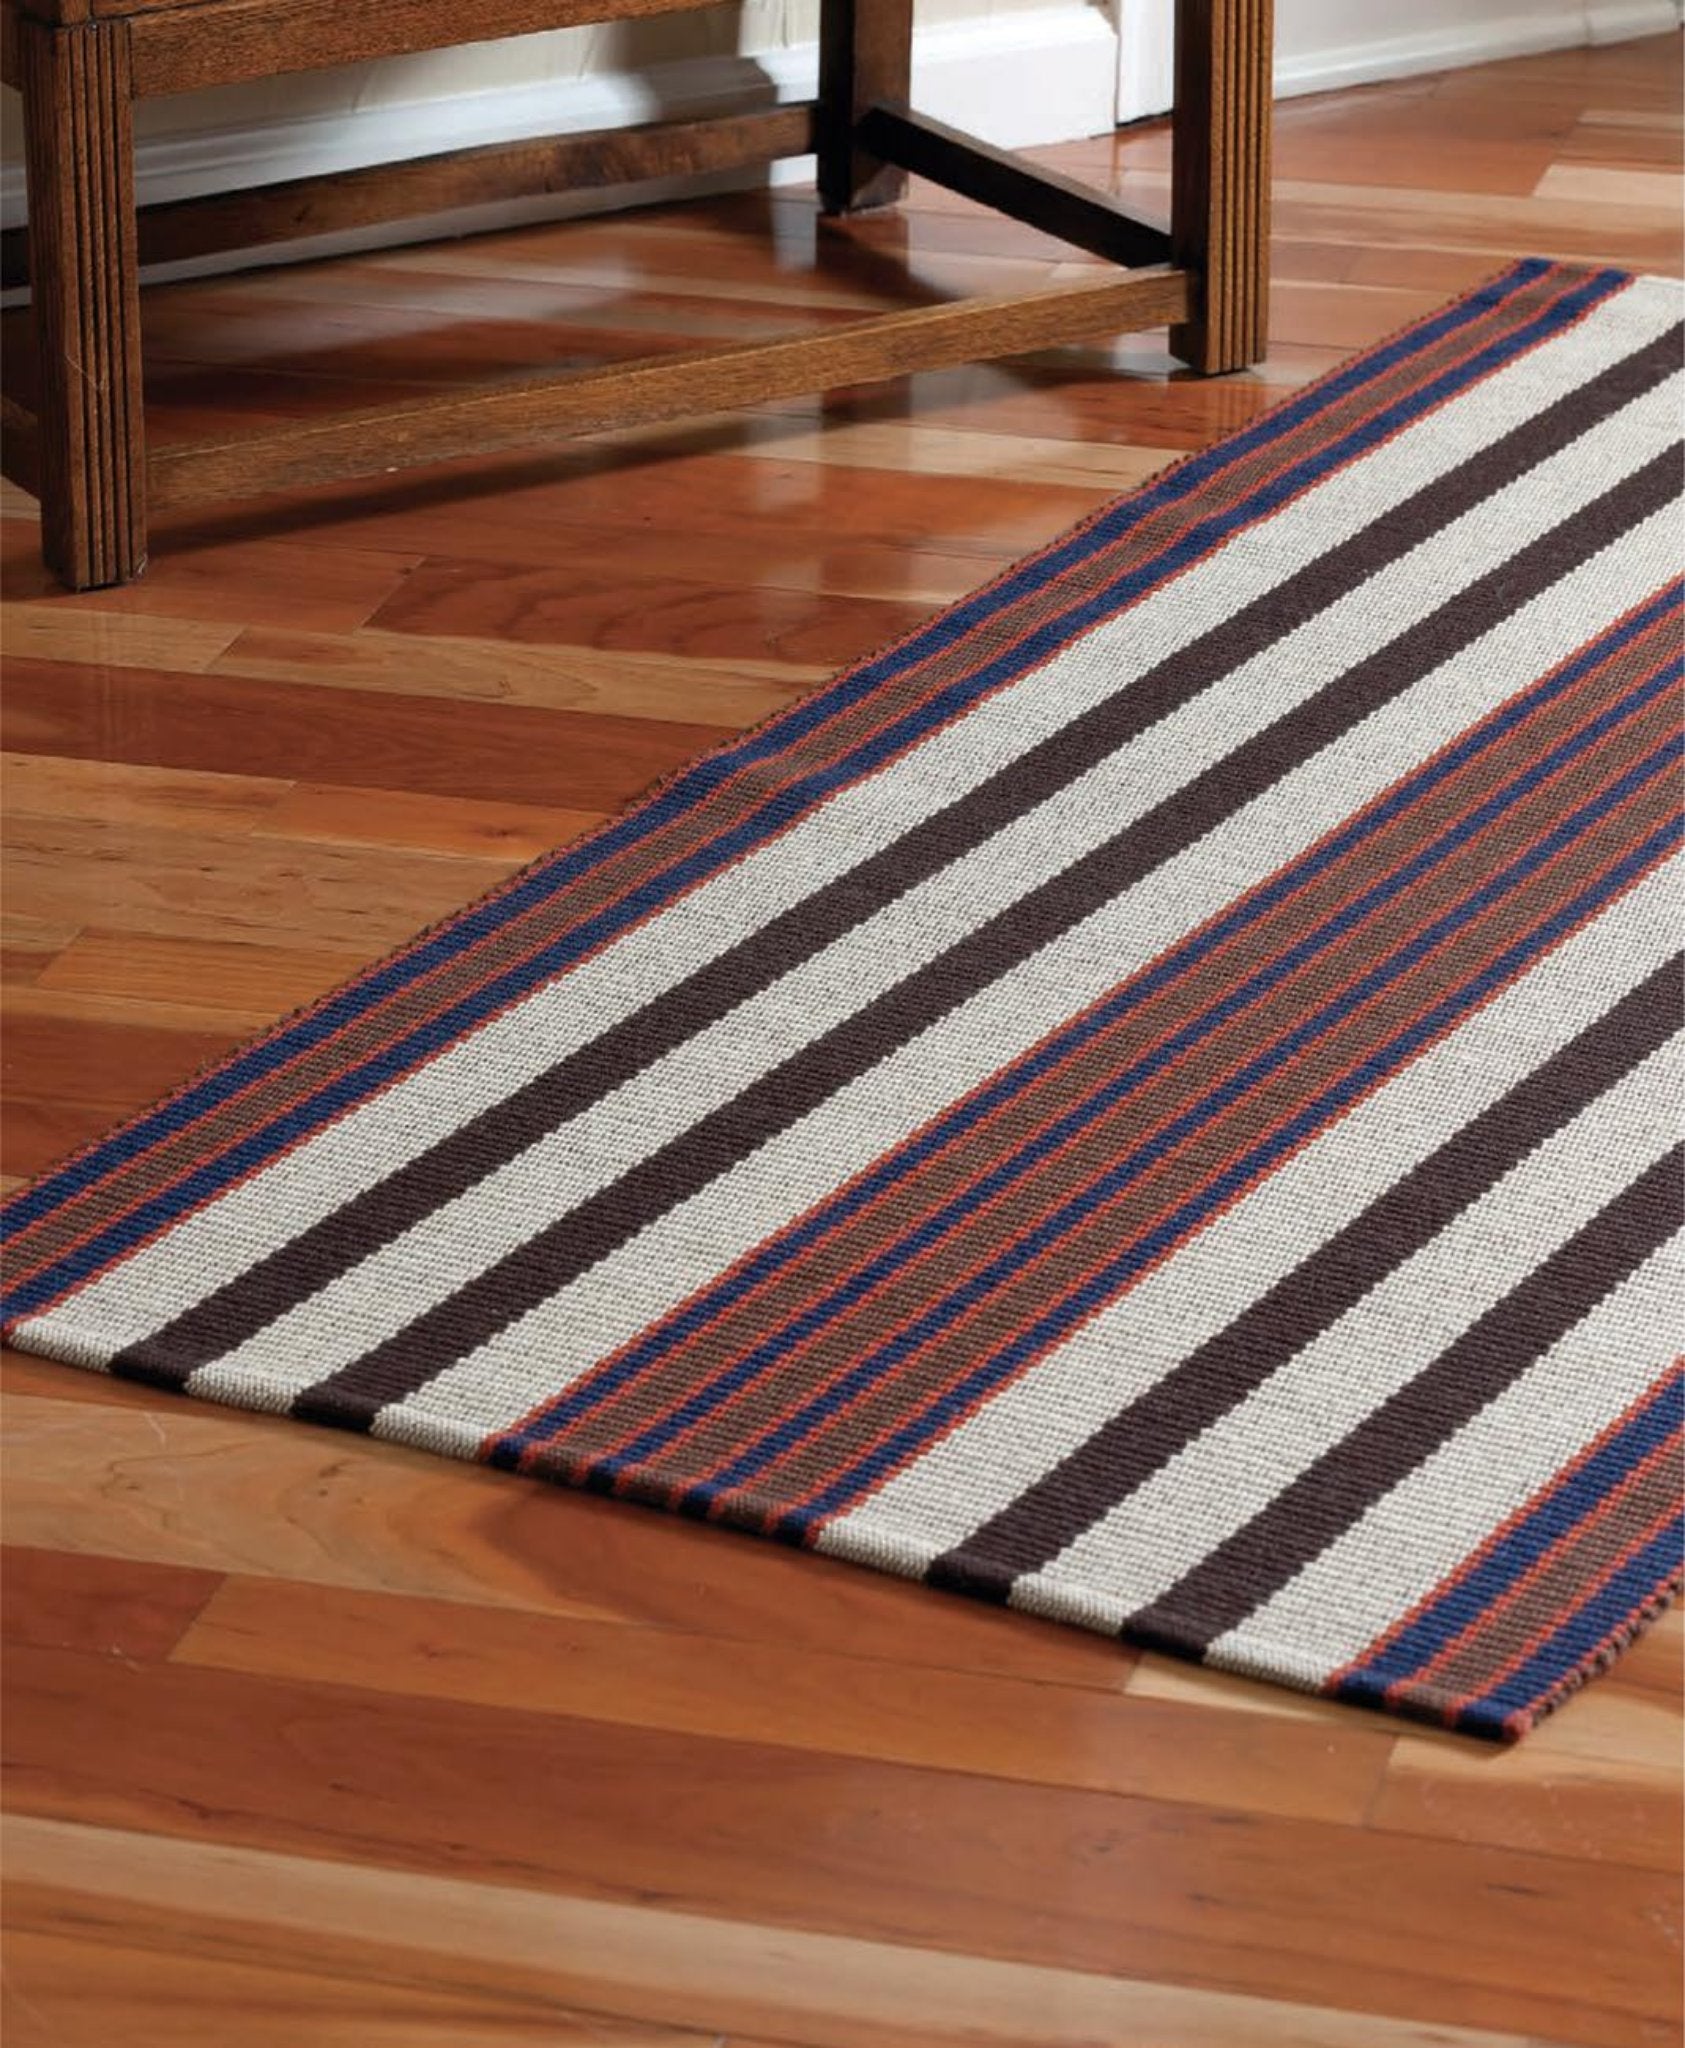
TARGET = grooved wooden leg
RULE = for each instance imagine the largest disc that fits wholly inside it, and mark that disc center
(865, 54)
(1220, 179)
(79, 145)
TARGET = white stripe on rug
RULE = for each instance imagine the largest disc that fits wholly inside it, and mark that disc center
(1232, 1471)
(1415, 1535)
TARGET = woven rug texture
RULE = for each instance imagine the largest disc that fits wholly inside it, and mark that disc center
(1153, 1101)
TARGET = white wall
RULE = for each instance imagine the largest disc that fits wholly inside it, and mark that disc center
(1323, 44)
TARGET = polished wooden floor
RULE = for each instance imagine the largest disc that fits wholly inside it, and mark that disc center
(313, 1741)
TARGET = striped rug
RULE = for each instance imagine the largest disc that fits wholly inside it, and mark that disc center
(1152, 1101)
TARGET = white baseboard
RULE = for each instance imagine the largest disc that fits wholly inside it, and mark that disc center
(1046, 74)
(1370, 59)
(1317, 50)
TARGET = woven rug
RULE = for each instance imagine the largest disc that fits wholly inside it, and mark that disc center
(1151, 1101)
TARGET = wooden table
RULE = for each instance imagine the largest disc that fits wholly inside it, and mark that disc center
(80, 65)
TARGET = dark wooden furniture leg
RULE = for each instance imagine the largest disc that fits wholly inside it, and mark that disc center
(1220, 179)
(90, 438)
(865, 57)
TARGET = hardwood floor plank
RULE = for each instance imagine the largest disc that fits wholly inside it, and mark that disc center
(951, 451)
(559, 678)
(1075, 400)
(1603, 1787)
(1656, 1662)
(362, 308)
(192, 973)
(118, 793)
(657, 249)
(1617, 139)
(99, 1467)
(195, 885)
(1410, 140)
(383, 1925)
(20, 965)
(29, 945)
(17, 504)
(102, 1605)
(657, 615)
(523, 754)
(932, 574)
(299, 584)
(1604, 185)
(37, 1130)
(66, 1991)
(113, 1056)
(1620, 1804)
(531, 508)
(1496, 228)
(111, 639)
(1352, 317)
(789, 1696)
(426, 824)
(1083, 1880)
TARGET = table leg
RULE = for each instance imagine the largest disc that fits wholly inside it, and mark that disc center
(83, 267)
(865, 54)
(1220, 178)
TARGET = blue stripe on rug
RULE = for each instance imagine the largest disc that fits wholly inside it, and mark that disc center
(1461, 1605)
(1581, 1635)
